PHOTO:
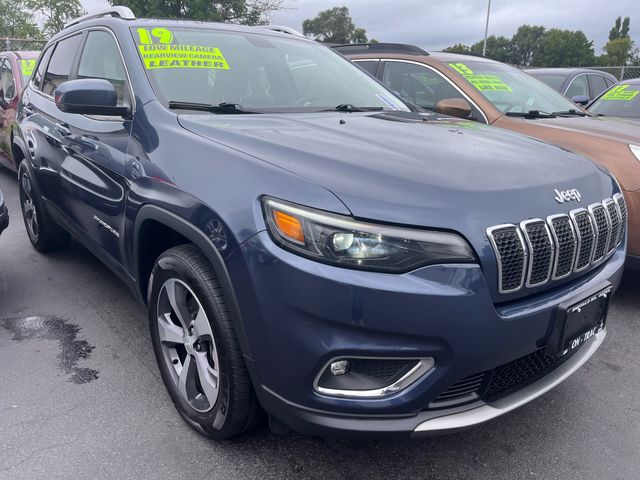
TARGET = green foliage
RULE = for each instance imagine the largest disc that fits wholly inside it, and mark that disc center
(56, 13)
(564, 48)
(458, 48)
(620, 49)
(334, 26)
(247, 12)
(17, 21)
(498, 48)
(525, 44)
(620, 28)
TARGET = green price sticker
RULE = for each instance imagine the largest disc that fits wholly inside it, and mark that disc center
(484, 83)
(182, 56)
(620, 93)
(27, 67)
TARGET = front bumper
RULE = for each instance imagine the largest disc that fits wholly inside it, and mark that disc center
(300, 314)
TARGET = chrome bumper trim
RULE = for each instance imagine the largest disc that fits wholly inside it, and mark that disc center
(488, 412)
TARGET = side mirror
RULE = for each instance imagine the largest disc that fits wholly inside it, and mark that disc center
(580, 99)
(454, 107)
(90, 96)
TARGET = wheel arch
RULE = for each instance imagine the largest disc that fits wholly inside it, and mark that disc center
(191, 234)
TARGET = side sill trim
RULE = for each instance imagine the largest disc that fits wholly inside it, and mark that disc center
(488, 412)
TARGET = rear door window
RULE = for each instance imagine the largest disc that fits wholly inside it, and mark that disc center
(38, 75)
(598, 85)
(61, 63)
(578, 86)
(6, 80)
(368, 65)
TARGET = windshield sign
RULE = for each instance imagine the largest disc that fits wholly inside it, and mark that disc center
(511, 90)
(619, 101)
(26, 69)
(229, 70)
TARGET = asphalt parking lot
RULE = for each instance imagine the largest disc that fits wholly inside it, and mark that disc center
(81, 397)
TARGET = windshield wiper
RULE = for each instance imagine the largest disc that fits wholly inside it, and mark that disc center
(531, 114)
(347, 107)
(223, 108)
(573, 111)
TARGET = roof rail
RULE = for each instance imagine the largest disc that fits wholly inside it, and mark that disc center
(283, 29)
(121, 12)
(355, 48)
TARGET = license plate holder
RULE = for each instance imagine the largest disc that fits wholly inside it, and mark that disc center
(578, 321)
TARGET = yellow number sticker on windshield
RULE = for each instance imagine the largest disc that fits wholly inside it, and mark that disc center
(461, 68)
(27, 67)
(484, 83)
(620, 93)
(182, 56)
(163, 35)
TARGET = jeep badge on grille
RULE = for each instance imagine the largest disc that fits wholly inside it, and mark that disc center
(567, 195)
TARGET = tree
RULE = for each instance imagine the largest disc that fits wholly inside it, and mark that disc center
(458, 48)
(525, 44)
(498, 48)
(334, 26)
(17, 21)
(620, 28)
(620, 49)
(248, 12)
(564, 48)
(56, 13)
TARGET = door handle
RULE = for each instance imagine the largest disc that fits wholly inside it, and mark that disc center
(62, 129)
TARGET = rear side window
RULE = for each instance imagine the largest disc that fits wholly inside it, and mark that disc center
(578, 87)
(61, 64)
(598, 85)
(368, 66)
(6, 80)
(101, 59)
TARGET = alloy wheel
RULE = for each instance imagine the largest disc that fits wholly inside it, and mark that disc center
(188, 346)
(28, 207)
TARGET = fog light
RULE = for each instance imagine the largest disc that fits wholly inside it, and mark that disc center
(340, 367)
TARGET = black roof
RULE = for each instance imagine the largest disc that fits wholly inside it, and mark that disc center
(358, 48)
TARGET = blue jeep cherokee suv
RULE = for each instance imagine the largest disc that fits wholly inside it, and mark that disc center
(307, 243)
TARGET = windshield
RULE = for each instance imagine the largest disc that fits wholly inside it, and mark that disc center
(511, 90)
(26, 69)
(555, 81)
(254, 71)
(620, 101)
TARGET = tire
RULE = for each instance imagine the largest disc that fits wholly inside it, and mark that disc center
(44, 234)
(196, 346)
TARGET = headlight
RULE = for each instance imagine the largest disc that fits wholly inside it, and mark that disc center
(635, 149)
(341, 241)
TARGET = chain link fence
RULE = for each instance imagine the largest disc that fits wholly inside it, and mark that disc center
(621, 73)
(21, 44)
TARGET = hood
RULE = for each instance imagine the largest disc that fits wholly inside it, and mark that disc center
(607, 128)
(400, 168)
(603, 139)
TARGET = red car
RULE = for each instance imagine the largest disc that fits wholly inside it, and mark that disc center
(15, 70)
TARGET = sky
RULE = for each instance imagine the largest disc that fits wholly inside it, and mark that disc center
(436, 24)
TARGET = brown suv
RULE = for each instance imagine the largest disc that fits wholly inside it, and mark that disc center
(492, 92)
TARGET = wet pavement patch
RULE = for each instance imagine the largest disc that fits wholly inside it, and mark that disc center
(72, 350)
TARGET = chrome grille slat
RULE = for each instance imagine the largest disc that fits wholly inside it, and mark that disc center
(614, 224)
(602, 226)
(538, 251)
(565, 239)
(583, 223)
(622, 209)
(542, 251)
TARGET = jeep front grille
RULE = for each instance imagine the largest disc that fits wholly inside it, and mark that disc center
(538, 251)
